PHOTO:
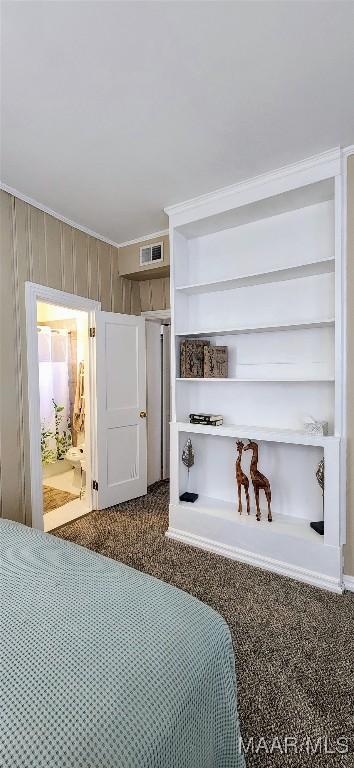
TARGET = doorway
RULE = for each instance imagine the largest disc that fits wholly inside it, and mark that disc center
(87, 416)
(158, 394)
(61, 411)
(62, 363)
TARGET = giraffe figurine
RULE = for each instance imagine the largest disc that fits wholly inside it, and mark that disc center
(242, 479)
(259, 481)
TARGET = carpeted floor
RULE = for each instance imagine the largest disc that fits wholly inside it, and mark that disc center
(54, 498)
(294, 644)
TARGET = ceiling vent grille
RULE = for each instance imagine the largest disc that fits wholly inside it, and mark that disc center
(149, 254)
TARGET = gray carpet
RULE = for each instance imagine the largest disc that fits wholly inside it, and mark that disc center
(294, 644)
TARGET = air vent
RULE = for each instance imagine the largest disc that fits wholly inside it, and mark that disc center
(149, 254)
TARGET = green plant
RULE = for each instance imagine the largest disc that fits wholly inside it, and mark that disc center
(63, 438)
(48, 455)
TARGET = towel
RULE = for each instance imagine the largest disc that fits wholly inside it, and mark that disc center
(79, 404)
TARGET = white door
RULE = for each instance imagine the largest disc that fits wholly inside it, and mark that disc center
(120, 409)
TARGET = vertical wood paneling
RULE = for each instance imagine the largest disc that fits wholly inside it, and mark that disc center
(37, 247)
(104, 269)
(135, 306)
(111, 271)
(117, 291)
(11, 469)
(93, 281)
(167, 295)
(22, 272)
(80, 261)
(126, 295)
(145, 295)
(52, 231)
(158, 294)
(154, 294)
(67, 258)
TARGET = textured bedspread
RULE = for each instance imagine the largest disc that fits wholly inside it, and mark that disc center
(105, 667)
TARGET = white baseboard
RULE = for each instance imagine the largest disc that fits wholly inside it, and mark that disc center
(348, 583)
(284, 569)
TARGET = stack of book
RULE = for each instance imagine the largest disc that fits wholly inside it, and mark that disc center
(206, 418)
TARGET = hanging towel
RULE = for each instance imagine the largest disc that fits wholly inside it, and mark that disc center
(79, 405)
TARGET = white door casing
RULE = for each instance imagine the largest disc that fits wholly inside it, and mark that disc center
(121, 459)
(166, 400)
(34, 293)
(153, 395)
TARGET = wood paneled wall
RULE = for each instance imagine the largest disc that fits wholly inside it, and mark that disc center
(44, 250)
(154, 294)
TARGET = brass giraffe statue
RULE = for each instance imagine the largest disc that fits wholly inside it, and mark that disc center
(242, 479)
(259, 481)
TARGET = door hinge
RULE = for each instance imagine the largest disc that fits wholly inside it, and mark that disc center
(95, 485)
(92, 333)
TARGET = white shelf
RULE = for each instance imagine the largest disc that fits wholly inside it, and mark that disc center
(281, 524)
(324, 323)
(322, 267)
(299, 380)
(249, 432)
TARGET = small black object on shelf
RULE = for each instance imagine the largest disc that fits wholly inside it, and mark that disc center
(318, 527)
(192, 497)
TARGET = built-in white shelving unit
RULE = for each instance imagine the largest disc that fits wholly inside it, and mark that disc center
(257, 267)
(255, 381)
(204, 332)
(272, 276)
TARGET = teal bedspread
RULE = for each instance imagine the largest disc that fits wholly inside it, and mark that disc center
(105, 667)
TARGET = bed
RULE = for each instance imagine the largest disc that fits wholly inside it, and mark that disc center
(102, 666)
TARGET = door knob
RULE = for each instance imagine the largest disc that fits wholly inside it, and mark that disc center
(143, 414)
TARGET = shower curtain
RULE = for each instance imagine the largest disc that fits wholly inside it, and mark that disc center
(53, 355)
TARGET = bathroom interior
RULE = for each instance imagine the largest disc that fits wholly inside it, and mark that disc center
(62, 336)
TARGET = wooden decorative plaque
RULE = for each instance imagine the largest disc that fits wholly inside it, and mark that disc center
(192, 358)
(215, 362)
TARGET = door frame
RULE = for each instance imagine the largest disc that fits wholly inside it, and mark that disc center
(163, 317)
(34, 293)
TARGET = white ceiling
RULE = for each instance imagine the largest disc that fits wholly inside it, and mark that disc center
(113, 110)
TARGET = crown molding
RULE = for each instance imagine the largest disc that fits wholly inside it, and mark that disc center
(55, 214)
(74, 224)
(144, 238)
(329, 158)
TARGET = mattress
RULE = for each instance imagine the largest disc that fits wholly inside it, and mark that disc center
(102, 666)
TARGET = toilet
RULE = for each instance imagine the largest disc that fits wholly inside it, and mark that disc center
(77, 458)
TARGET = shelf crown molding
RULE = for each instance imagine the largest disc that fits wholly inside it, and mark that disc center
(348, 150)
(153, 236)
(307, 171)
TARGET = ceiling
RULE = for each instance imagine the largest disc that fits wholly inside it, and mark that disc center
(113, 110)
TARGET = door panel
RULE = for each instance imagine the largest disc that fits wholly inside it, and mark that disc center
(122, 391)
(121, 403)
(123, 454)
